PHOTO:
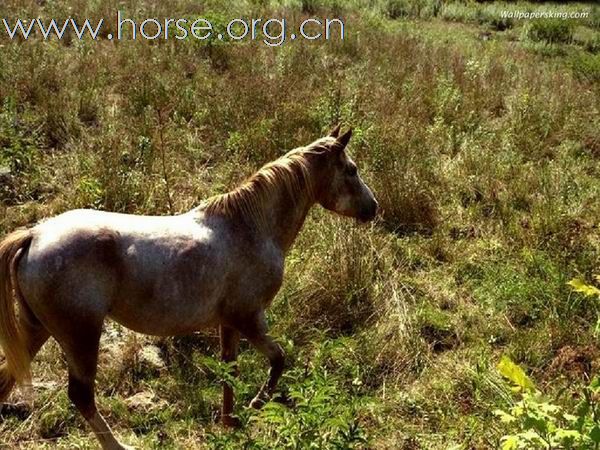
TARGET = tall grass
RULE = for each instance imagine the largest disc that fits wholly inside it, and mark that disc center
(482, 153)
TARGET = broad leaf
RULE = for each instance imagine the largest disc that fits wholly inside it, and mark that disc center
(514, 373)
(504, 416)
(580, 286)
(510, 443)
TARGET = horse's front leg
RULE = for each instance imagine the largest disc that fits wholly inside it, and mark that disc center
(256, 332)
(229, 346)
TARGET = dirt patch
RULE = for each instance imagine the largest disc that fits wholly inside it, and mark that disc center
(575, 362)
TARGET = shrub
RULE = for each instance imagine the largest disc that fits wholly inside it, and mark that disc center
(500, 23)
(586, 66)
(588, 290)
(322, 412)
(594, 19)
(321, 409)
(551, 31)
(538, 423)
(396, 9)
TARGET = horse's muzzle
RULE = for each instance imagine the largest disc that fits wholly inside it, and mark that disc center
(369, 213)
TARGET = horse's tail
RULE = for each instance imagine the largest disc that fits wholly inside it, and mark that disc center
(11, 338)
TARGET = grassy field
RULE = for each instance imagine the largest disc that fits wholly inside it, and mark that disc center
(481, 139)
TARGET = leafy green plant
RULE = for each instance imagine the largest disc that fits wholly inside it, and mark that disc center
(321, 414)
(317, 409)
(588, 290)
(535, 422)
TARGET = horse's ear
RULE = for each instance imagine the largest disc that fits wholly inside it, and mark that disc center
(345, 138)
(336, 131)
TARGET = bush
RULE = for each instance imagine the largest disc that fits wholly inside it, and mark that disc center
(321, 409)
(500, 23)
(586, 66)
(588, 290)
(396, 9)
(538, 423)
(594, 20)
(551, 31)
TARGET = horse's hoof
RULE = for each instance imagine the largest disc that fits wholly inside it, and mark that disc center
(19, 410)
(257, 402)
(231, 422)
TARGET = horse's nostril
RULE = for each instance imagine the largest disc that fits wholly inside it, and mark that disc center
(369, 212)
(374, 208)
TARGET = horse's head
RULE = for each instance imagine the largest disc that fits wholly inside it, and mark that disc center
(342, 190)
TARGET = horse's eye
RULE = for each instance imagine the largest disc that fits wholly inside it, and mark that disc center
(352, 171)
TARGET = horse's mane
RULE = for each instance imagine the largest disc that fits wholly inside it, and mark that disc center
(288, 174)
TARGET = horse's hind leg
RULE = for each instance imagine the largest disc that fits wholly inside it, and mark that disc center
(229, 345)
(35, 335)
(81, 350)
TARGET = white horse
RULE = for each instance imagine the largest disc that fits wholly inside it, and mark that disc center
(220, 264)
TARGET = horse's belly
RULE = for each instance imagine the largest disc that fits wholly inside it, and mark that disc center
(160, 318)
(162, 304)
(169, 288)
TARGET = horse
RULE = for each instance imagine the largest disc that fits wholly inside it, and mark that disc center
(218, 265)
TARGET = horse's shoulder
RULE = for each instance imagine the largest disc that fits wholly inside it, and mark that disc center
(268, 263)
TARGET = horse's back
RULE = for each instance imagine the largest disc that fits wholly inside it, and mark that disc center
(159, 275)
(109, 239)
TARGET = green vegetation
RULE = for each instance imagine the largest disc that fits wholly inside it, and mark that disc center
(480, 137)
(542, 424)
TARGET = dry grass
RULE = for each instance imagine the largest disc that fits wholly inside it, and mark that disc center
(483, 154)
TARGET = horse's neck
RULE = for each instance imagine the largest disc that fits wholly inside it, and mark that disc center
(278, 215)
(286, 217)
